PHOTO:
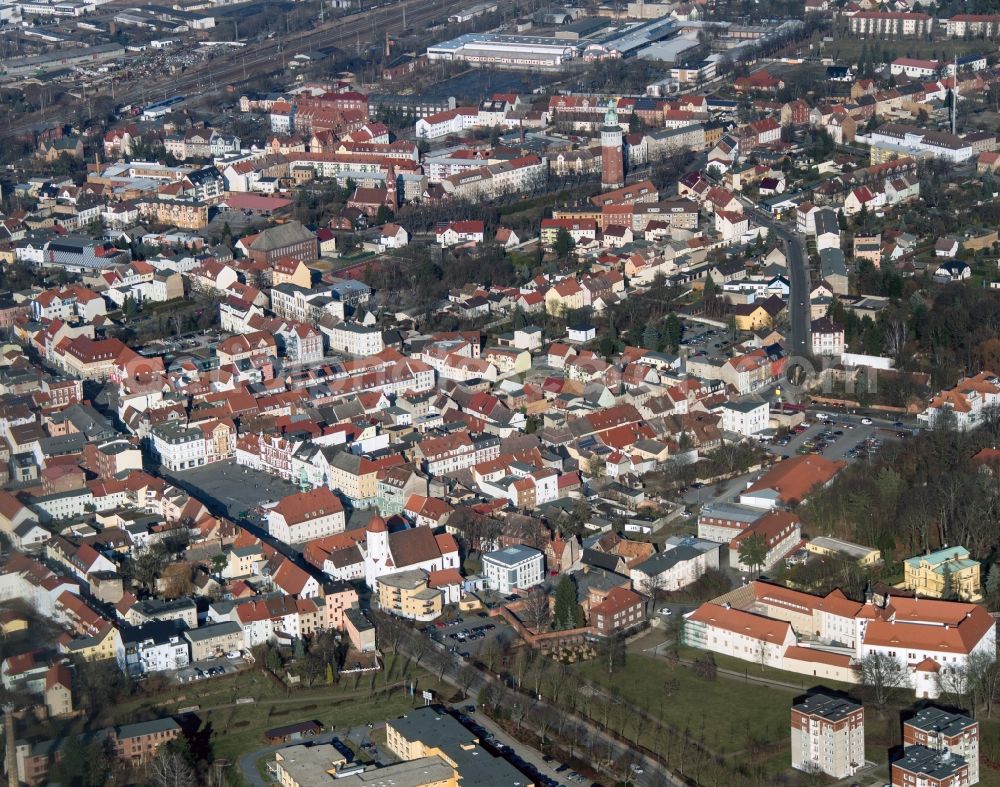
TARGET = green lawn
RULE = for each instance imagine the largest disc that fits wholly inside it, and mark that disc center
(746, 668)
(848, 49)
(727, 716)
(237, 729)
(746, 722)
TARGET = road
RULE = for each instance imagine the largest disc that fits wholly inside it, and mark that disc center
(653, 775)
(798, 277)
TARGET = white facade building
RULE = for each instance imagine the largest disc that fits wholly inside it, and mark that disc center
(353, 339)
(513, 567)
(306, 516)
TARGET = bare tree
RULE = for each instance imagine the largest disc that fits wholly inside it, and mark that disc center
(491, 655)
(895, 336)
(169, 769)
(970, 684)
(883, 675)
(651, 586)
(467, 677)
(613, 653)
(419, 646)
(520, 665)
(535, 611)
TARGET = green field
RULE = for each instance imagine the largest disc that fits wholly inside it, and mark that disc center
(744, 723)
(239, 728)
(848, 49)
(722, 714)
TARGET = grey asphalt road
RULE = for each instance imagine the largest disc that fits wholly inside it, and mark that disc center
(798, 277)
(798, 300)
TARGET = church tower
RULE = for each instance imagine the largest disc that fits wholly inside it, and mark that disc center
(612, 151)
(377, 538)
(391, 198)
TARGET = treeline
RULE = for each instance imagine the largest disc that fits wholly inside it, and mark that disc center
(920, 494)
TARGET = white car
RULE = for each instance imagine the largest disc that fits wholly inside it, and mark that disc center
(666, 611)
(866, 421)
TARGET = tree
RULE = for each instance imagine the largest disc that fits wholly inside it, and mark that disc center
(273, 660)
(948, 592)
(568, 613)
(564, 244)
(672, 332)
(613, 653)
(219, 563)
(130, 308)
(704, 667)
(970, 684)
(146, 568)
(169, 769)
(535, 612)
(467, 677)
(101, 684)
(883, 674)
(651, 586)
(993, 583)
(82, 764)
(650, 337)
(753, 552)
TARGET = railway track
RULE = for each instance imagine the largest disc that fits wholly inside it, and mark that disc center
(240, 65)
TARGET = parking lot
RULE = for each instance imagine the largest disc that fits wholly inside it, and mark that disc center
(839, 437)
(705, 340)
(208, 668)
(468, 634)
(237, 489)
(545, 771)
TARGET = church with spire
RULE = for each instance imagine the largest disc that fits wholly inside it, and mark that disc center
(384, 551)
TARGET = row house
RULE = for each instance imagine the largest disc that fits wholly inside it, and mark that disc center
(201, 143)
(517, 176)
(180, 447)
(884, 24)
(971, 26)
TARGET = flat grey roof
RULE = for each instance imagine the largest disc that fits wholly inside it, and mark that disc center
(511, 556)
(826, 705)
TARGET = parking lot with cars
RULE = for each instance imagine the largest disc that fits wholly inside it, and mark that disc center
(466, 635)
(209, 668)
(838, 436)
(705, 340)
(547, 773)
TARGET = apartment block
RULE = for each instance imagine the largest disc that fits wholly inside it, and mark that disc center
(942, 731)
(828, 735)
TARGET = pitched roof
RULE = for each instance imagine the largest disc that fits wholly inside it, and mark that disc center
(306, 506)
(740, 622)
(794, 478)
